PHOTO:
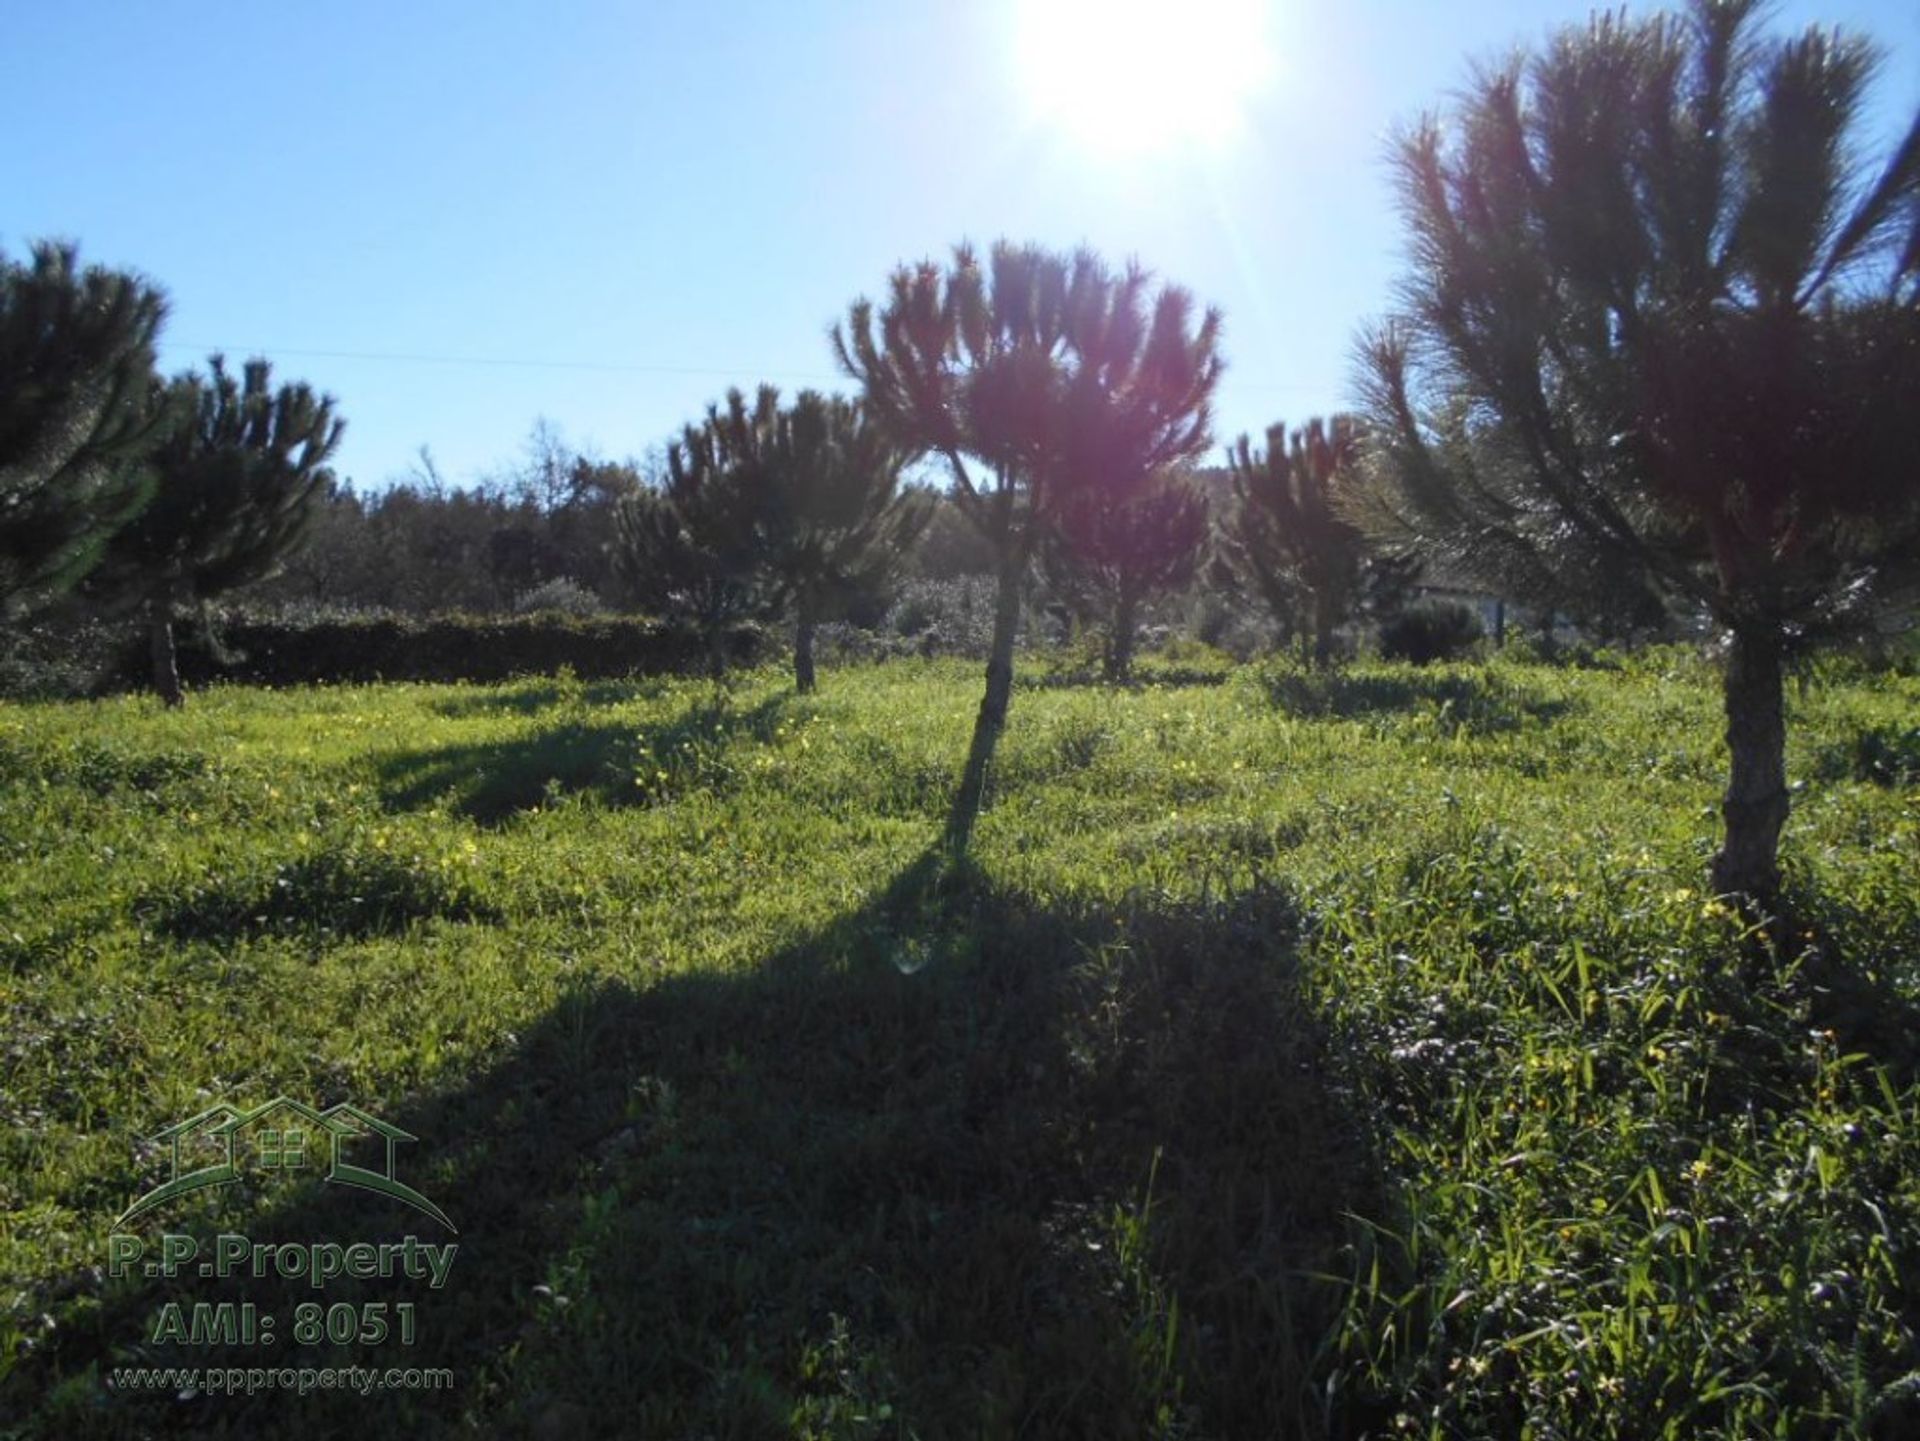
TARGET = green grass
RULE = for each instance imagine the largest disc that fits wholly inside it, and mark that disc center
(1296, 1056)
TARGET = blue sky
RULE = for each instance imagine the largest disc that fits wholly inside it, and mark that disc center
(628, 207)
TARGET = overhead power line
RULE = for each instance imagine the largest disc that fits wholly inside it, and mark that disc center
(415, 359)
(605, 367)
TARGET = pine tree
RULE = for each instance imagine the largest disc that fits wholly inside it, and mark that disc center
(78, 418)
(1661, 332)
(691, 546)
(1287, 536)
(1108, 560)
(1054, 378)
(824, 486)
(238, 479)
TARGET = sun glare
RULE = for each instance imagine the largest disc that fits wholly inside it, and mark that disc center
(1129, 77)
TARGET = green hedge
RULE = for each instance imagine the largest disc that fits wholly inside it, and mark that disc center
(437, 648)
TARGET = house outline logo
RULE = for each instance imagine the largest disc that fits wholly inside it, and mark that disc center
(283, 1147)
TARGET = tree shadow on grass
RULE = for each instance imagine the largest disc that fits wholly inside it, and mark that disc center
(335, 893)
(1859, 970)
(1164, 678)
(1478, 704)
(531, 698)
(494, 781)
(1881, 755)
(962, 1163)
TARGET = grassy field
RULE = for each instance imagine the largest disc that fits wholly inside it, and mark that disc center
(1296, 1056)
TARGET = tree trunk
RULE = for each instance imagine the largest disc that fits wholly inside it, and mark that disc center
(1755, 805)
(1500, 623)
(717, 650)
(1322, 629)
(1119, 665)
(993, 707)
(166, 669)
(803, 649)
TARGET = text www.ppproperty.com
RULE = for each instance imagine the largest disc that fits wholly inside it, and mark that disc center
(248, 1380)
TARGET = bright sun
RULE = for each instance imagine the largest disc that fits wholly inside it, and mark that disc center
(1129, 77)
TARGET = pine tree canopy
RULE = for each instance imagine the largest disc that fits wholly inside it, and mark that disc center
(1105, 560)
(1286, 513)
(77, 417)
(1661, 327)
(1288, 533)
(825, 484)
(693, 545)
(238, 478)
(1151, 544)
(1050, 371)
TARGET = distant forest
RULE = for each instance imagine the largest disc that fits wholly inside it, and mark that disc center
(533, 535)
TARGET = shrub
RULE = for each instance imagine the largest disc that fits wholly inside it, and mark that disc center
(562, 595)
(1225, 624)
(1430, 632)
(946, 617)
(59, 657)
